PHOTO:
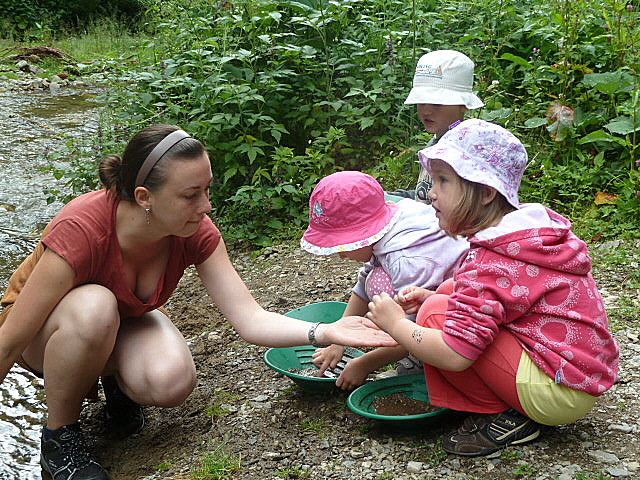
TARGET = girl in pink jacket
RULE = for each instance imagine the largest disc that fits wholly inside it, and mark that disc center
(520, 335)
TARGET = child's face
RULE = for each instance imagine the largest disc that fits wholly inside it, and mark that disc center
(445, 191)
(437, 118)
(363, 254)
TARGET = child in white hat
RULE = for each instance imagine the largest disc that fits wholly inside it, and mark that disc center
(442, 91)
(400, 244)
(520, 336)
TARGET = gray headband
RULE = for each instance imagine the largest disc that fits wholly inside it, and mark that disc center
(156, 154)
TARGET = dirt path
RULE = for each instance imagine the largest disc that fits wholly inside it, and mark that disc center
(279, 431)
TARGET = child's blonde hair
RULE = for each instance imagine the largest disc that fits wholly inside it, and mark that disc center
(470, 215)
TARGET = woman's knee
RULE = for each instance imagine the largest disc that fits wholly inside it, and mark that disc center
(169, 384)
(89, 312)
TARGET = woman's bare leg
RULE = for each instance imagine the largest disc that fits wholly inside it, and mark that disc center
(152, 362)
(72, 349)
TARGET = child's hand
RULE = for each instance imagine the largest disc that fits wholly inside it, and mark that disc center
(384, 311)
(412, 297)
(352, 376)
(328, 357)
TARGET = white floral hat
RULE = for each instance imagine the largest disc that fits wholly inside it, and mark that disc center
(444, 77)
(482, 152)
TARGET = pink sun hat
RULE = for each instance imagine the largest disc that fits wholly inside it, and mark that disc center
(482, 152)
(347, 211)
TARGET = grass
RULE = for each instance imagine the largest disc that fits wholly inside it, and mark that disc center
(223, 398)
(165, 465)
(107, 38)
(104, 45)
(293, 472)
(217, 465)
(316, 425)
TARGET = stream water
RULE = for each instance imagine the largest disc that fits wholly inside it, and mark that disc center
(30, 122)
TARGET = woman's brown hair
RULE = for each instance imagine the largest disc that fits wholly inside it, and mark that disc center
(118, 174)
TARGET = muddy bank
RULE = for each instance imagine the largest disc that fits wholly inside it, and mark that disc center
(279, 431)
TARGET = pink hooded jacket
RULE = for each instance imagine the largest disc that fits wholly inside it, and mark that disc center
(531, 275)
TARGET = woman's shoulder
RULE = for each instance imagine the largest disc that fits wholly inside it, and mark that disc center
(92, 213)
(92, 204)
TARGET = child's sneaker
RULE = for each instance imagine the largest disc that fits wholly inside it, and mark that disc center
(405, 366)
(483, 434)
(65, 456)
(125, 415)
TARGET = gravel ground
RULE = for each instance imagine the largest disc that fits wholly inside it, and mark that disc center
(245, 411)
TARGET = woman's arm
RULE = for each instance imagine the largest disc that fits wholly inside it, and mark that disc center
(425, 343)
(51, 279)
(257, 326)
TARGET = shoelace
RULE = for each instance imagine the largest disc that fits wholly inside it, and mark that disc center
(74, 449)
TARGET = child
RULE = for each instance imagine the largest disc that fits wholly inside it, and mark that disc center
(442, 90)
(520, 335)
(401, 244)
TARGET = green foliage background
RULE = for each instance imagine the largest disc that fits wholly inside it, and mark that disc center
(284, 92)
(22, 18)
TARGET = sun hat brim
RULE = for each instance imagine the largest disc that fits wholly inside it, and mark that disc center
(321, 241)
(443, 96)
(456, 158)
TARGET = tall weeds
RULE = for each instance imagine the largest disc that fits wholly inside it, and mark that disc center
(283, 92)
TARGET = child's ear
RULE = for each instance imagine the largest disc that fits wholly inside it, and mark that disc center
(488, 194)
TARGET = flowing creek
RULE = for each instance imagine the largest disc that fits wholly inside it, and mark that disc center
(31, 121)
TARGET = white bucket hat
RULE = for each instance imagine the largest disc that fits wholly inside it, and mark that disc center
(444, 77)
(484, 153)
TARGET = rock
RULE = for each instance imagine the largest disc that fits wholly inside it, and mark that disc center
(619, 472)
(603, 457)
(623, 427)
(414, 467)
(23, 65)
(356, 453)
(36, 70)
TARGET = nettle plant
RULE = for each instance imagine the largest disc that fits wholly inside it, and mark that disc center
(564, 77)
(282, 93)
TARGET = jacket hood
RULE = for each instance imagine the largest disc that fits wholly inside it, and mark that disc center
(416, 225)
(537, 235)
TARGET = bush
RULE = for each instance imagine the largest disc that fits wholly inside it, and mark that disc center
(19, 17)
(284, 92)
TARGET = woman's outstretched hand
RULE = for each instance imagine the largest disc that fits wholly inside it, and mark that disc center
(384, 311)
(354, 331)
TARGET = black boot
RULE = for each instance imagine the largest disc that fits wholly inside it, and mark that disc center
(65, 456)
(125, 415)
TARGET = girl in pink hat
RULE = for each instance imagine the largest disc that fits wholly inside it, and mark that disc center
(520, 335)
(401, 245)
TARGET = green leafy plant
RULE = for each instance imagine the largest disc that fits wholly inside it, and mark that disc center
(525, 469)
(283, 93)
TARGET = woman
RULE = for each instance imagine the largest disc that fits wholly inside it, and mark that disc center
(87, 302)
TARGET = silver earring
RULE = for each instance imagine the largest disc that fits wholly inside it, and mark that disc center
(147, 212)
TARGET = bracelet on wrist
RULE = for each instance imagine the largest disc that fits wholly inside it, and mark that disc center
(311, 334)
